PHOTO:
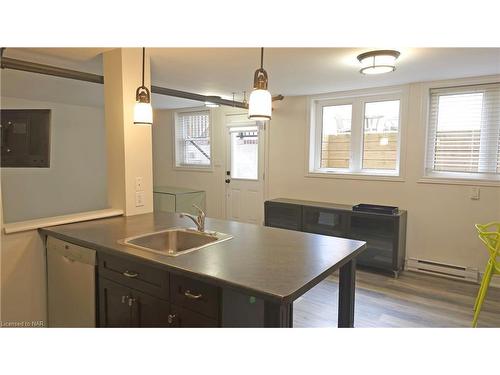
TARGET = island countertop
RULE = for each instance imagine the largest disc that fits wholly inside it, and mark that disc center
(274, 264)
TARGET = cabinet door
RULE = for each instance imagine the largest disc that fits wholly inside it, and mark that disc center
(114, 310)
(283, 215)
(149, 311)
(324, 221)
(379, 233)
(184, 318)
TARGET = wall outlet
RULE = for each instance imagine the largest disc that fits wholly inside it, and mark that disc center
(474, 193)
(139, 199)
(139, 184)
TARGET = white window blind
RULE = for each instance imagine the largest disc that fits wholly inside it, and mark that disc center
(192, 139)
(464, 132)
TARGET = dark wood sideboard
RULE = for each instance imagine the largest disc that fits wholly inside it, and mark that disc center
(385, 234)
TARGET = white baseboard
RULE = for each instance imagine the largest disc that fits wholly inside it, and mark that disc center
(442, 269)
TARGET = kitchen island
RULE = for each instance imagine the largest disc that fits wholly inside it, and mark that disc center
(252, 279)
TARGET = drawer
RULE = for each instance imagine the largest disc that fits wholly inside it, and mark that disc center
(195, 295)
(184, 318)
(134, 275)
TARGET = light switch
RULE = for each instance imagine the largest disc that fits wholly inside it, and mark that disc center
(139, 199)
(139, 184)
(474, 193)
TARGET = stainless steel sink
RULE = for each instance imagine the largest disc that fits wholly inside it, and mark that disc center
(175, 241)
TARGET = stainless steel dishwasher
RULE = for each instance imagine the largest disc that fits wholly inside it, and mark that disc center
(71, 286)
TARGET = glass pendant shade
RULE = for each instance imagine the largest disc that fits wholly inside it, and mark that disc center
(260, 105)
(378, 62)
(143, 113)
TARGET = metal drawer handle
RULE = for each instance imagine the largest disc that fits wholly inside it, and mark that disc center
(188, 294)
(130, 274)
(124, 298)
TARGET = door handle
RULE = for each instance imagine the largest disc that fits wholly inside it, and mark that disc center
(228, 180)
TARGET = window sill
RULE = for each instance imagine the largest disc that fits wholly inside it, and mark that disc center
(193, 169)
(356, 176)
(458, 181)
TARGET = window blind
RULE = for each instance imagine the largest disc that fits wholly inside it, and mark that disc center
(193, 138)
(464, 130)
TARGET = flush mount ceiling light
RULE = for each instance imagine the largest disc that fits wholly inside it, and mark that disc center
(210, 104)
(260, 102)
(378, 62)
(143, 112)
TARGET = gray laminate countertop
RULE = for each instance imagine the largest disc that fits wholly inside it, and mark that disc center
(270, 263)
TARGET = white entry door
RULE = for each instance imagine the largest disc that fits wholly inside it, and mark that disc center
(245, 172)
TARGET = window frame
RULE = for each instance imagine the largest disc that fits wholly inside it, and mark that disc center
(358, 100)
(446, 177)
(192, 167)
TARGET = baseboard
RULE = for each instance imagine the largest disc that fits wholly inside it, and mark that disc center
(443, 269)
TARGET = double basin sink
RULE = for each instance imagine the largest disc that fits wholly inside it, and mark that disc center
(175, 241)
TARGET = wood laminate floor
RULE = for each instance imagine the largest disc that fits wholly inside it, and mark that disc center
(412, 300)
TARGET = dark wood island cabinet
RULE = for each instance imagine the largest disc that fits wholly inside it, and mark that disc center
(135, 295)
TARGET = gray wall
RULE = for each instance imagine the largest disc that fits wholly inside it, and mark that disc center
(76, 180)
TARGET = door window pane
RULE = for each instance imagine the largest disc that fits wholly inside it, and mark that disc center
(245, 153)
(336, 136)
(380, 137)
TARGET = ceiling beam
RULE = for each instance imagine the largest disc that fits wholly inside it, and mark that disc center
(32, 67)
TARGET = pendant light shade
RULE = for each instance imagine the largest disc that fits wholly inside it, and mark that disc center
(260, 102)
(143, 111)
(260, 105)
(143, 114)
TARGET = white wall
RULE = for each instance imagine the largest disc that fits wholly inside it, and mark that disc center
(23, 280)
(440, 216)
(76, 180)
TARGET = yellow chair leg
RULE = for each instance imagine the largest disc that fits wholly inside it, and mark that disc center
(483, 292)
(481, 286)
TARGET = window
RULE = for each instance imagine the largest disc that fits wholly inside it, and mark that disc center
(358, 135)
(192, 139)
(380, 138)
(464, 132)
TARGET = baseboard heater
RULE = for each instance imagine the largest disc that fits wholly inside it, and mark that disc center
(443, 269)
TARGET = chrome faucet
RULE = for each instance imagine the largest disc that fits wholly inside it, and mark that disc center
(198, 220)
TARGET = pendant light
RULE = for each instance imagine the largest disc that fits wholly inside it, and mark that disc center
(260, 102)
(143, 112)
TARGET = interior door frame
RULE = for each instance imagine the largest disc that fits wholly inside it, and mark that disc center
(241, 119)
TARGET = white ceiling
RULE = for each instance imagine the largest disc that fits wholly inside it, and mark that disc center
(292, 71)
